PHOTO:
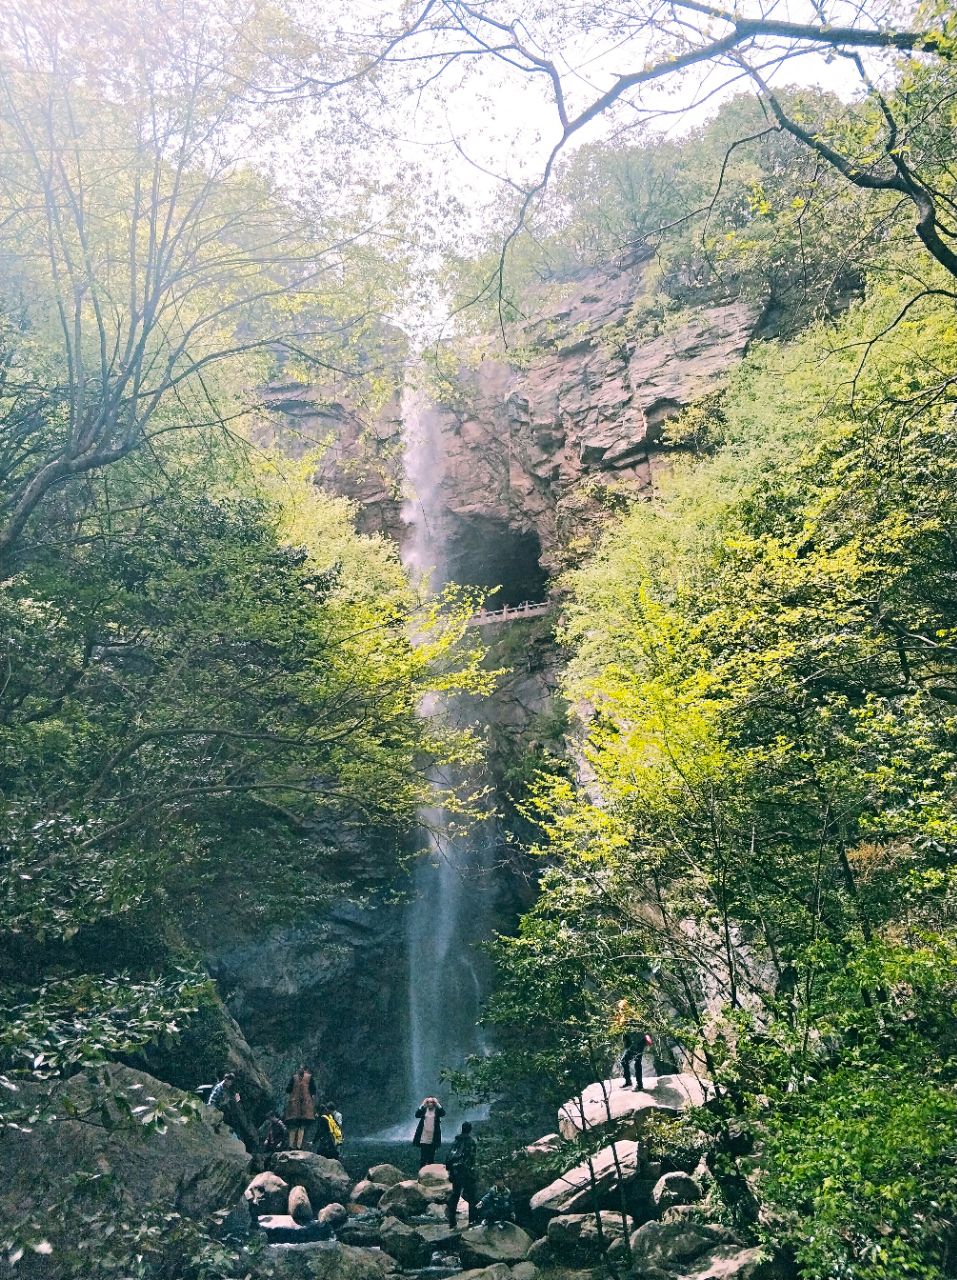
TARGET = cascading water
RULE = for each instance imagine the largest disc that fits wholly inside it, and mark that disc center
(450, 912)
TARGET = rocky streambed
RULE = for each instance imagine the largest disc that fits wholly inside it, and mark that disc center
(614, 1213)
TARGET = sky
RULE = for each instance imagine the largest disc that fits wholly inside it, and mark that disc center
(478, 127)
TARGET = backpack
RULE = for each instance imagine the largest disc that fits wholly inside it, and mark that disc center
(458, 1157)
(334, 1129)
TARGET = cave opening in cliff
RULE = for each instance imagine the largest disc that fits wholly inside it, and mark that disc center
(505, 562)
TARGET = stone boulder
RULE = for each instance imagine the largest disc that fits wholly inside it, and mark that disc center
(540, 1254)
(674, 1244)
(335, 1215)
(481, 1246)
(547, 1145)
(268, 1193)
(300, 1210)
(497, 1271)
(412, 1244)
(330, 1261)
(191, 1168)
(404, 1200)
(386, 1175)
(674, 1189)
(532, 1168)
(525, 1270)
(362, 1229)
(731, 1262)
(609, 1101)
(617, 1165)
(326, 1181)
(367, 1193)
(434, 1183)
(574, 1238)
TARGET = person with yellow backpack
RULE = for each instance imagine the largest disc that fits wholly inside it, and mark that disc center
(328, 1132)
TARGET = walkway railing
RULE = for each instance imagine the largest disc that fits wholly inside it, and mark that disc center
(510, 613)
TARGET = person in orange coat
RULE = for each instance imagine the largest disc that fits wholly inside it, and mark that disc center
(301, 1106)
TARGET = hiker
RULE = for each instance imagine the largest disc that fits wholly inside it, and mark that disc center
(428, 1132)
(496, 1208)
(461, 1167)
(635, 1041)
(225, 1097)
(301, 1106)
(273, 1134)
(328, 1133)
(220, 1092)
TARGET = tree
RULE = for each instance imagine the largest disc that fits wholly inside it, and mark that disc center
(148, 261)
(900, 59)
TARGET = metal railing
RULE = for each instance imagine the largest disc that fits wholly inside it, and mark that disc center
(509, 613)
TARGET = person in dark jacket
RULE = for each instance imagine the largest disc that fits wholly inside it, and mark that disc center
(496, 1207)
(301, 1106)
(273, 1134)
(461, 1166)
(428, 1132)
(636, 1042)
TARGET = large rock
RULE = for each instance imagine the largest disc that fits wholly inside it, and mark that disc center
(731, 1262)
(268, 1193)
(367, 1193)
(326, 1181)
(210, 1044)
(575, 1191)
(609, 1101)
(673, 1189)
(300, 1209)
(412, 1245)
(575, 1241)
(533, 1167)
(362, 1229)
(670, 1244)
(330, 1261)
(386, 1175)
(404, 1200)
(497, 1271)
(480, 1246)
(434, 1182)
(335, 1215)
(190, 1168)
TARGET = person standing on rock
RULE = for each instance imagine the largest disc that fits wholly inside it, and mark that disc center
(428, 1132)
(461, 1166)
(301, 1106)
(636, 1041)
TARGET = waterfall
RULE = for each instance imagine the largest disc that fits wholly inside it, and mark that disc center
(453, 891)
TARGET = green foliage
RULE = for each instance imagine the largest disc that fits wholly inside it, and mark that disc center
(763, 863)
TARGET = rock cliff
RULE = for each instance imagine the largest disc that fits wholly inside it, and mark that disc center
(540, 440)
(536, 445)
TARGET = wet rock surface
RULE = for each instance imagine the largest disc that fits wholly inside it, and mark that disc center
(325, 1181)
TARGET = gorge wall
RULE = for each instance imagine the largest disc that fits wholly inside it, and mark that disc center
(538, 445)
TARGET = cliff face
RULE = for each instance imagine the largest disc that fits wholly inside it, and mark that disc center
(541, 442)
(534, 448)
